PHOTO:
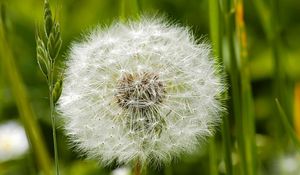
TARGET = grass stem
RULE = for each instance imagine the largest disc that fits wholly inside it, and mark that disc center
(53, 118)
(213, 169)
(216, 31)
(234, 75)
(287, 126)
(137, 168)
(26, 113)
(247, 115)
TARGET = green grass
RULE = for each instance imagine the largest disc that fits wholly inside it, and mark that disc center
(27, 115)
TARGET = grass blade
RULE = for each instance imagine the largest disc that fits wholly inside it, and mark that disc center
(26, 113)
(286, 125)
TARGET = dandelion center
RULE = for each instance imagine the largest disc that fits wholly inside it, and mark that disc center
(140, 91)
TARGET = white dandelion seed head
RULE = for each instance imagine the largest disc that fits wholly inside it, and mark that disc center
(142, 90)
(13, 141)
(288, 164)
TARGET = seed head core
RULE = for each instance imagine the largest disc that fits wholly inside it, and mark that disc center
(140, 90)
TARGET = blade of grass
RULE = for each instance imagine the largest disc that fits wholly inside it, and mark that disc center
(269, 16)
(227, 145)
(264, 14)
(26, 113)
(228, 18)
(286, 125)
(279, 75)
(216, 31)
(247, 115)
(213, 168)
(283, 85)
(240, 85)
(215, 27)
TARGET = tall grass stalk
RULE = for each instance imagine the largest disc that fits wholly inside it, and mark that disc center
(216, 32)
(52, 116)
(269, 16)
(214, 37)
(53, 120)
(234, 75)
(248, 120)
(213, 162)
(274, 40)
(287, 126)
(48, 47)
(232, 13)
(26, 113)
(283, 85)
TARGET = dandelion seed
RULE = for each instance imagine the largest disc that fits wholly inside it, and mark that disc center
(143, 91)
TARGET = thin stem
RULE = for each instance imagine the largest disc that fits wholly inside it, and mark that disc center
(213, 170)
(247, 115)
(227, 146)
(287, 126)
(216, 32)
(137, 168)
(50, 84)
(215, 27)
(283, 85)
(235, 81)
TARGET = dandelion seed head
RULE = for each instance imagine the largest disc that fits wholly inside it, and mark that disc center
(13, 141)
(142, 90)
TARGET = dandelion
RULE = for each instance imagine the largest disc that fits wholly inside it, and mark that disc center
(142, 91)
(13, 141)
(287, 164)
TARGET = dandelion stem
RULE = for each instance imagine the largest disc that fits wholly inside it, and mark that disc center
(137, 168)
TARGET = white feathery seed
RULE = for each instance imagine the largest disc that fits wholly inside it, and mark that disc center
(142, 90)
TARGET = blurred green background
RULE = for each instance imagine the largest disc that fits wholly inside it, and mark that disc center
(275, 156)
